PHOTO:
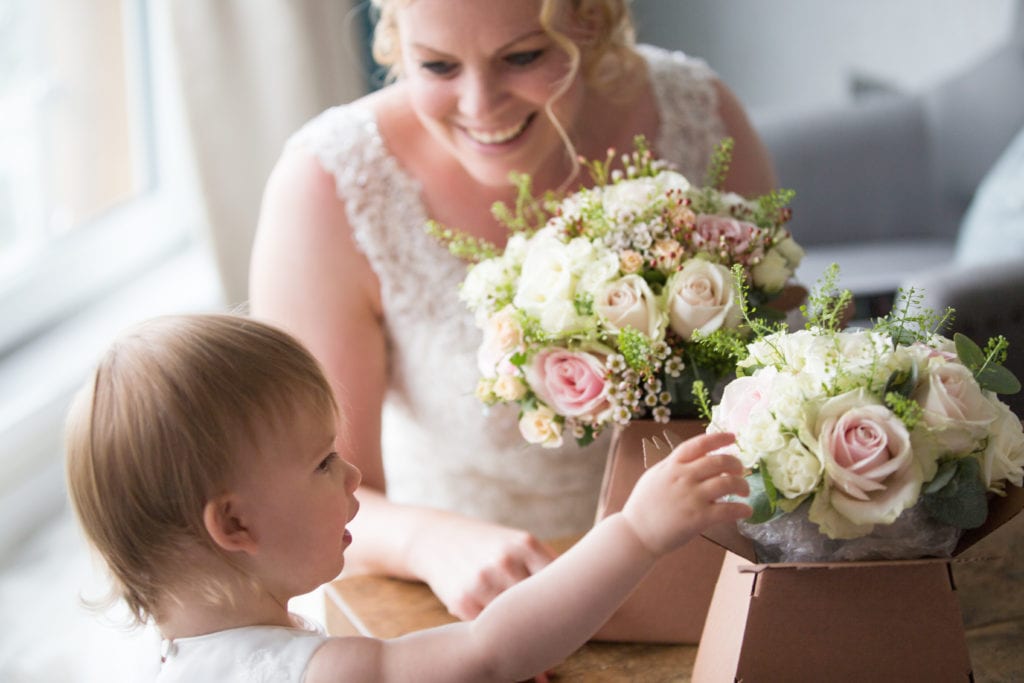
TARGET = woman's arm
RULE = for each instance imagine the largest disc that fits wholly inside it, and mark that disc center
(751, 172)
(538, 622)
(308, 276)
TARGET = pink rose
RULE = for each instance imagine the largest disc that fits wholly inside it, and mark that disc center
(872, 475)
(571, 382)
(741, 398)
(738, 239)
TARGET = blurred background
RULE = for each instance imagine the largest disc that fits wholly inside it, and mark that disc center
(135, 139)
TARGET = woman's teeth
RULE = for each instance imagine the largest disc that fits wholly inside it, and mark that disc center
(497, 137)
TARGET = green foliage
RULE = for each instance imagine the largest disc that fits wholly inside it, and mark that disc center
(462, 245)
(956, 496)
(827, 305)
(986, 365)
(905, 408)
(702, 399)
(773, 208)
(718, 167)
(764, 497)
(530, 212)
(911, 321)
(587, 438)
(637, 350)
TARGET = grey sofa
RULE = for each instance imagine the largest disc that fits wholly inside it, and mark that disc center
(883, 184)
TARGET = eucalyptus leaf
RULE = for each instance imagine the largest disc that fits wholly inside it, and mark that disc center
(963, 501)
(997, 378)
(969, 353)
(947, 471)
(902, 382)
(760, 500)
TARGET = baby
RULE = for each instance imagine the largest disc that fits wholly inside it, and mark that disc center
(202, 462)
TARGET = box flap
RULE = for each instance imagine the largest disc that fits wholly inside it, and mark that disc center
(729, 537)
(1001, 509)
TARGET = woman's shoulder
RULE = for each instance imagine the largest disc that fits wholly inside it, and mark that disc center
(668, 64)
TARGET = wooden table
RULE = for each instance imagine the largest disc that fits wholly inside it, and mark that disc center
(386, 608)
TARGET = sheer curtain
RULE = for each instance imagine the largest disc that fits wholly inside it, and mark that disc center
(251, 72)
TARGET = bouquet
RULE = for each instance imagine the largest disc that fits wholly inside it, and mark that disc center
(880, 443)
(591, 312)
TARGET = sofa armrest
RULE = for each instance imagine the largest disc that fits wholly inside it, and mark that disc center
(988, 299)
(861, 172)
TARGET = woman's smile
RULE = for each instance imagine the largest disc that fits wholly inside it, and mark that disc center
(499, 136)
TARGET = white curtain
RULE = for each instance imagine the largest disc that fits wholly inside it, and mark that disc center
(251, 72)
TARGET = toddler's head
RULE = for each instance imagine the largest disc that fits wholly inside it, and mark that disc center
(175, 409)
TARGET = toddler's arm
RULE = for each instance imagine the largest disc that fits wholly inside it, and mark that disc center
(538, 622)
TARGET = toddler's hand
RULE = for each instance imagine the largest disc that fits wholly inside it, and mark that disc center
(681, 496)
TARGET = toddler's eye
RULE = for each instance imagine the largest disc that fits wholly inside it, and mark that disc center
(438, 67)
(523, 58)
(325, 464)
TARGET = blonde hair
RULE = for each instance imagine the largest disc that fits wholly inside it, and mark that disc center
(607, 38)
(160, 428)
(599, 45)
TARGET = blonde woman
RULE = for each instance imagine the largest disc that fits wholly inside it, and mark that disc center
(449, 495)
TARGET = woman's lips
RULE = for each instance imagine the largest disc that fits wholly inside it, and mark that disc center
(501, 136)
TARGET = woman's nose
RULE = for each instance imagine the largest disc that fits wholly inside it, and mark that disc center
(479, 95)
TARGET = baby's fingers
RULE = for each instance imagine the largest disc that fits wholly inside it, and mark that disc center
(695, 447)
(714, 466)
(728, 512)
(721, 486)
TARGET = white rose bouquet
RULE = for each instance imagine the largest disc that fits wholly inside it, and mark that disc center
(591, 312)
(870, 444)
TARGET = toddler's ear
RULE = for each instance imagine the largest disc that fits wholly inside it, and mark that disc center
(223, 521)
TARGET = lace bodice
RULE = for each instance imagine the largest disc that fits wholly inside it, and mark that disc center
(251, 654)
(441, 449)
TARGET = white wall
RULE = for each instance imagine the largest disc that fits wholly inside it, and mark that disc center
(803, 53)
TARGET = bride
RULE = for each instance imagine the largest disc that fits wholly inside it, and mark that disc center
(452, 496)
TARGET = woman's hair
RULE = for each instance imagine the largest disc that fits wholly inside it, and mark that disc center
(173, 408)
(602, 52)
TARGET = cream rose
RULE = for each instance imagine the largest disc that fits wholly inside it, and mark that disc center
(955, 409)
(509, 387)
(870, 470)
(1003, 459)
(630, 262)
(701, 297)
(547, 287)
(794, 469)
(540, 427)
(503, 335)
(629, 302)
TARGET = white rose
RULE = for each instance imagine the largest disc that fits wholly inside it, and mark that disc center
(596, 273)
(794, 469)
(516, 249)
(540, 427)
(546, 287)
(483, 280)
(701, 297)
(633, 196)
(791, 251)
(629, 302)
(1003, 459)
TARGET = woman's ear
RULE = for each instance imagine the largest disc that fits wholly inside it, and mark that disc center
(226, 525)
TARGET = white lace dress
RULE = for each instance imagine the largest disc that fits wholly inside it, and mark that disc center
(251, 654)
(440, 447)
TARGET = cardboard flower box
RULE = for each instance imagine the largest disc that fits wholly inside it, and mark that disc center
(670, 604)
(853, 621)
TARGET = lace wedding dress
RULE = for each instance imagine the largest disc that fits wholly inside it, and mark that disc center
(441, 449)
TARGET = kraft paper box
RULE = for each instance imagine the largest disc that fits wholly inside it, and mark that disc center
(670, 604)
(849, 621)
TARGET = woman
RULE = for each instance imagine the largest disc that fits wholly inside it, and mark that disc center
(451, 496)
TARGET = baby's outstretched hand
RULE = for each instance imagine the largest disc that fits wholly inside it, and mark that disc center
(683, 494)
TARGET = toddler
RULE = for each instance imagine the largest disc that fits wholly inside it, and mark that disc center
(203, 465)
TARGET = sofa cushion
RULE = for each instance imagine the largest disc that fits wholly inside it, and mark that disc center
(993, 229)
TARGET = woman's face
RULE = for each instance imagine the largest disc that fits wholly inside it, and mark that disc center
(479, 75)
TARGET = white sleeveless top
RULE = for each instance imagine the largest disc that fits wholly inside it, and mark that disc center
(251, 654)
(441, 448)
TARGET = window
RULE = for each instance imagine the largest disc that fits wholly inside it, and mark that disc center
(89, 168)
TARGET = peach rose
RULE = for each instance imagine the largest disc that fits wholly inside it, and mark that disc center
(701, 297)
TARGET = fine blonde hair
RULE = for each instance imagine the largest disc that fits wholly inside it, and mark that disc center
(161, 427)
(604, 31)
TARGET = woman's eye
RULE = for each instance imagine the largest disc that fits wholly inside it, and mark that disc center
(523, 58)
(438, 68)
